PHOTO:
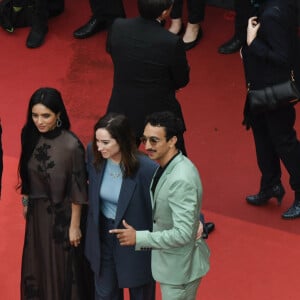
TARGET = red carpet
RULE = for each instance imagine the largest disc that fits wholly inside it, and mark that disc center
(254, 253)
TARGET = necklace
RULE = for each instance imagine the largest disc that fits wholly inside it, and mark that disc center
(114, 170)
(115, 175)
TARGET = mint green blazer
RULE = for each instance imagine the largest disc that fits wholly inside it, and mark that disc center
(177, 257)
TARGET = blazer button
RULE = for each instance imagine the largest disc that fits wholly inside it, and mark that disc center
(154, 221)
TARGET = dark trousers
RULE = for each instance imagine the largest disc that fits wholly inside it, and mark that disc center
(40, 14)
(196, 10)
(275, 139)
(107, 10)
(106, 283)
(35, 13)
(244, 10)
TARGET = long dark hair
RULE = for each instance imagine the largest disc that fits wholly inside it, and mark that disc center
(51, 98)
(118, 127)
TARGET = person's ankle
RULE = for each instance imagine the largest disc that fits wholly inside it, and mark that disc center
(175, 26)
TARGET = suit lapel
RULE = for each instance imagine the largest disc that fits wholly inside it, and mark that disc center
(126, 193)
(97, 208)
(164, 177)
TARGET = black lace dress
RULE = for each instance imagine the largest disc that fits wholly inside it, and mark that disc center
(51, 267)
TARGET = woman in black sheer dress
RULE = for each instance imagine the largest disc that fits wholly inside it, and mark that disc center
(53, 185)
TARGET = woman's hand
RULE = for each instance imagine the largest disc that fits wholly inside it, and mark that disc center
(252, 29)
(74, 236)
(74, 230)
(25, 208)
(25, 205)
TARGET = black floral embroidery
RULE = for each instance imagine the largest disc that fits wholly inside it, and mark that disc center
(42, 156)
(62, 216)
(60, 213)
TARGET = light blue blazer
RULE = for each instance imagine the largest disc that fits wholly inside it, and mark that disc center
(177, 257)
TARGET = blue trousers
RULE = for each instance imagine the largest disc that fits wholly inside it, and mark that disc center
(106, 283)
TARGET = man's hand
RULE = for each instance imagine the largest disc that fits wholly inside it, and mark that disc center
(125, 236)
(200, 231)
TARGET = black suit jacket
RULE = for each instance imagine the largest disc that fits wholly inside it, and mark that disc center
(149, 66)
(272, 54)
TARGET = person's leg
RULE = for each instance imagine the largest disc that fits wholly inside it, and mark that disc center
(180, 292)
(107, 10)
(39, 27)
(283, 135)
(281, 127)
(104, 290)
(243, 11)
(106, 282)
(104, 12)
(176, 12)
(176, 17)
(268, 162)
(193, 33)
(144, 292)
(267, 158)
(196, 11)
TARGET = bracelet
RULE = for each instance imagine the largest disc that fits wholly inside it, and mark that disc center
(25, 201)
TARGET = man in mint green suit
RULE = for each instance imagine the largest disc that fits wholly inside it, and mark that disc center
(179, 257)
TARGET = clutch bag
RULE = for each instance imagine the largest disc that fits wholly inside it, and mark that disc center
(273, 97)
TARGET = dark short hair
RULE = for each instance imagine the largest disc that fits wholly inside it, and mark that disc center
(172, 125)
(152, 9)
(119, 128)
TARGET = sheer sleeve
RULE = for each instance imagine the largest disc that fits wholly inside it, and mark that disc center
(78, 192)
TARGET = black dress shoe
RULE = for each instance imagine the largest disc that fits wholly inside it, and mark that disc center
(190, 45)
(293, 212)
(36, 37)
(90, 28)
(233, 45)
(276, 191)
(208, 228)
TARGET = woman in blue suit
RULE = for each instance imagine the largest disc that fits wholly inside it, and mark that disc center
(119, 180)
